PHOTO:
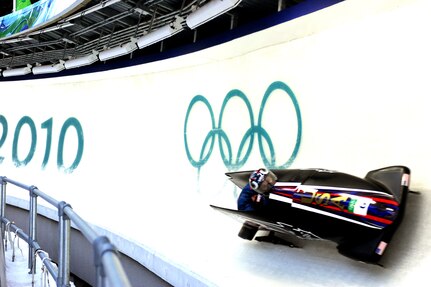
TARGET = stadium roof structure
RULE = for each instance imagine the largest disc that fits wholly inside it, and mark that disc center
(129, 28)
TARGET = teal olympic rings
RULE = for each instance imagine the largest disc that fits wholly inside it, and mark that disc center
(247, 141)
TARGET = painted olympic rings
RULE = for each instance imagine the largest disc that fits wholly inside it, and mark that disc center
(262, 134)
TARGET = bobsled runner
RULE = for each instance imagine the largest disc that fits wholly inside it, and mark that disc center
(360, 214)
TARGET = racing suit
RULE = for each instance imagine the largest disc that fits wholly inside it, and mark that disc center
(250, 200)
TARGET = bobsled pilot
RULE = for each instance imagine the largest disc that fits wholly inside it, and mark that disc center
(252, 196)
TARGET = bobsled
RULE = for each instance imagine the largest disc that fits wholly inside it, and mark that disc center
(361, 215)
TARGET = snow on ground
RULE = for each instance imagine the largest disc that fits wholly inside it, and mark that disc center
(17, 271)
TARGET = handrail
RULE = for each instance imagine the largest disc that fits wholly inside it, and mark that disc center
(106, 256)
(42, 254)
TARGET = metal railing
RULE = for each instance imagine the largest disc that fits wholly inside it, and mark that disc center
(106, 257)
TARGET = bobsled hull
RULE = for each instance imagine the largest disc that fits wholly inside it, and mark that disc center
(360, 214)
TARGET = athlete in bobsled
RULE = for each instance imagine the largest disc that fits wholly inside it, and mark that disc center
(252, 196)
(360, 214)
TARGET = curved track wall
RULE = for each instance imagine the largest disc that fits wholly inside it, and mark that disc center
(343, 88)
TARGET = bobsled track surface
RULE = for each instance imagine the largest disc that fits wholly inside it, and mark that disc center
(231, 260)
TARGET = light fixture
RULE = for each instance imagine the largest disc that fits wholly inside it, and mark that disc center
(17, 71)
(161, 33)
(118, 51)
(82, 61)
(48, 69)
(210, 11)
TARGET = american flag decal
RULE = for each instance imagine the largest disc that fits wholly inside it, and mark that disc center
(405, 181)
(381, 248)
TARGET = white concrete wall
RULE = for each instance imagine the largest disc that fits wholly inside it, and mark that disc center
(356, 73)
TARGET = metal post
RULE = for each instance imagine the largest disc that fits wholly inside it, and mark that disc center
(2, 204)
(63, 279)
(281, 5)
(32, 228)
(233, 21)
(101, 246)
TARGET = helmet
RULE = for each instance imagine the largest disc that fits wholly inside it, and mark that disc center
(260, 176)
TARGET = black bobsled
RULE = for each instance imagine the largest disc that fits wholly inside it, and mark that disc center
(360, 214)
